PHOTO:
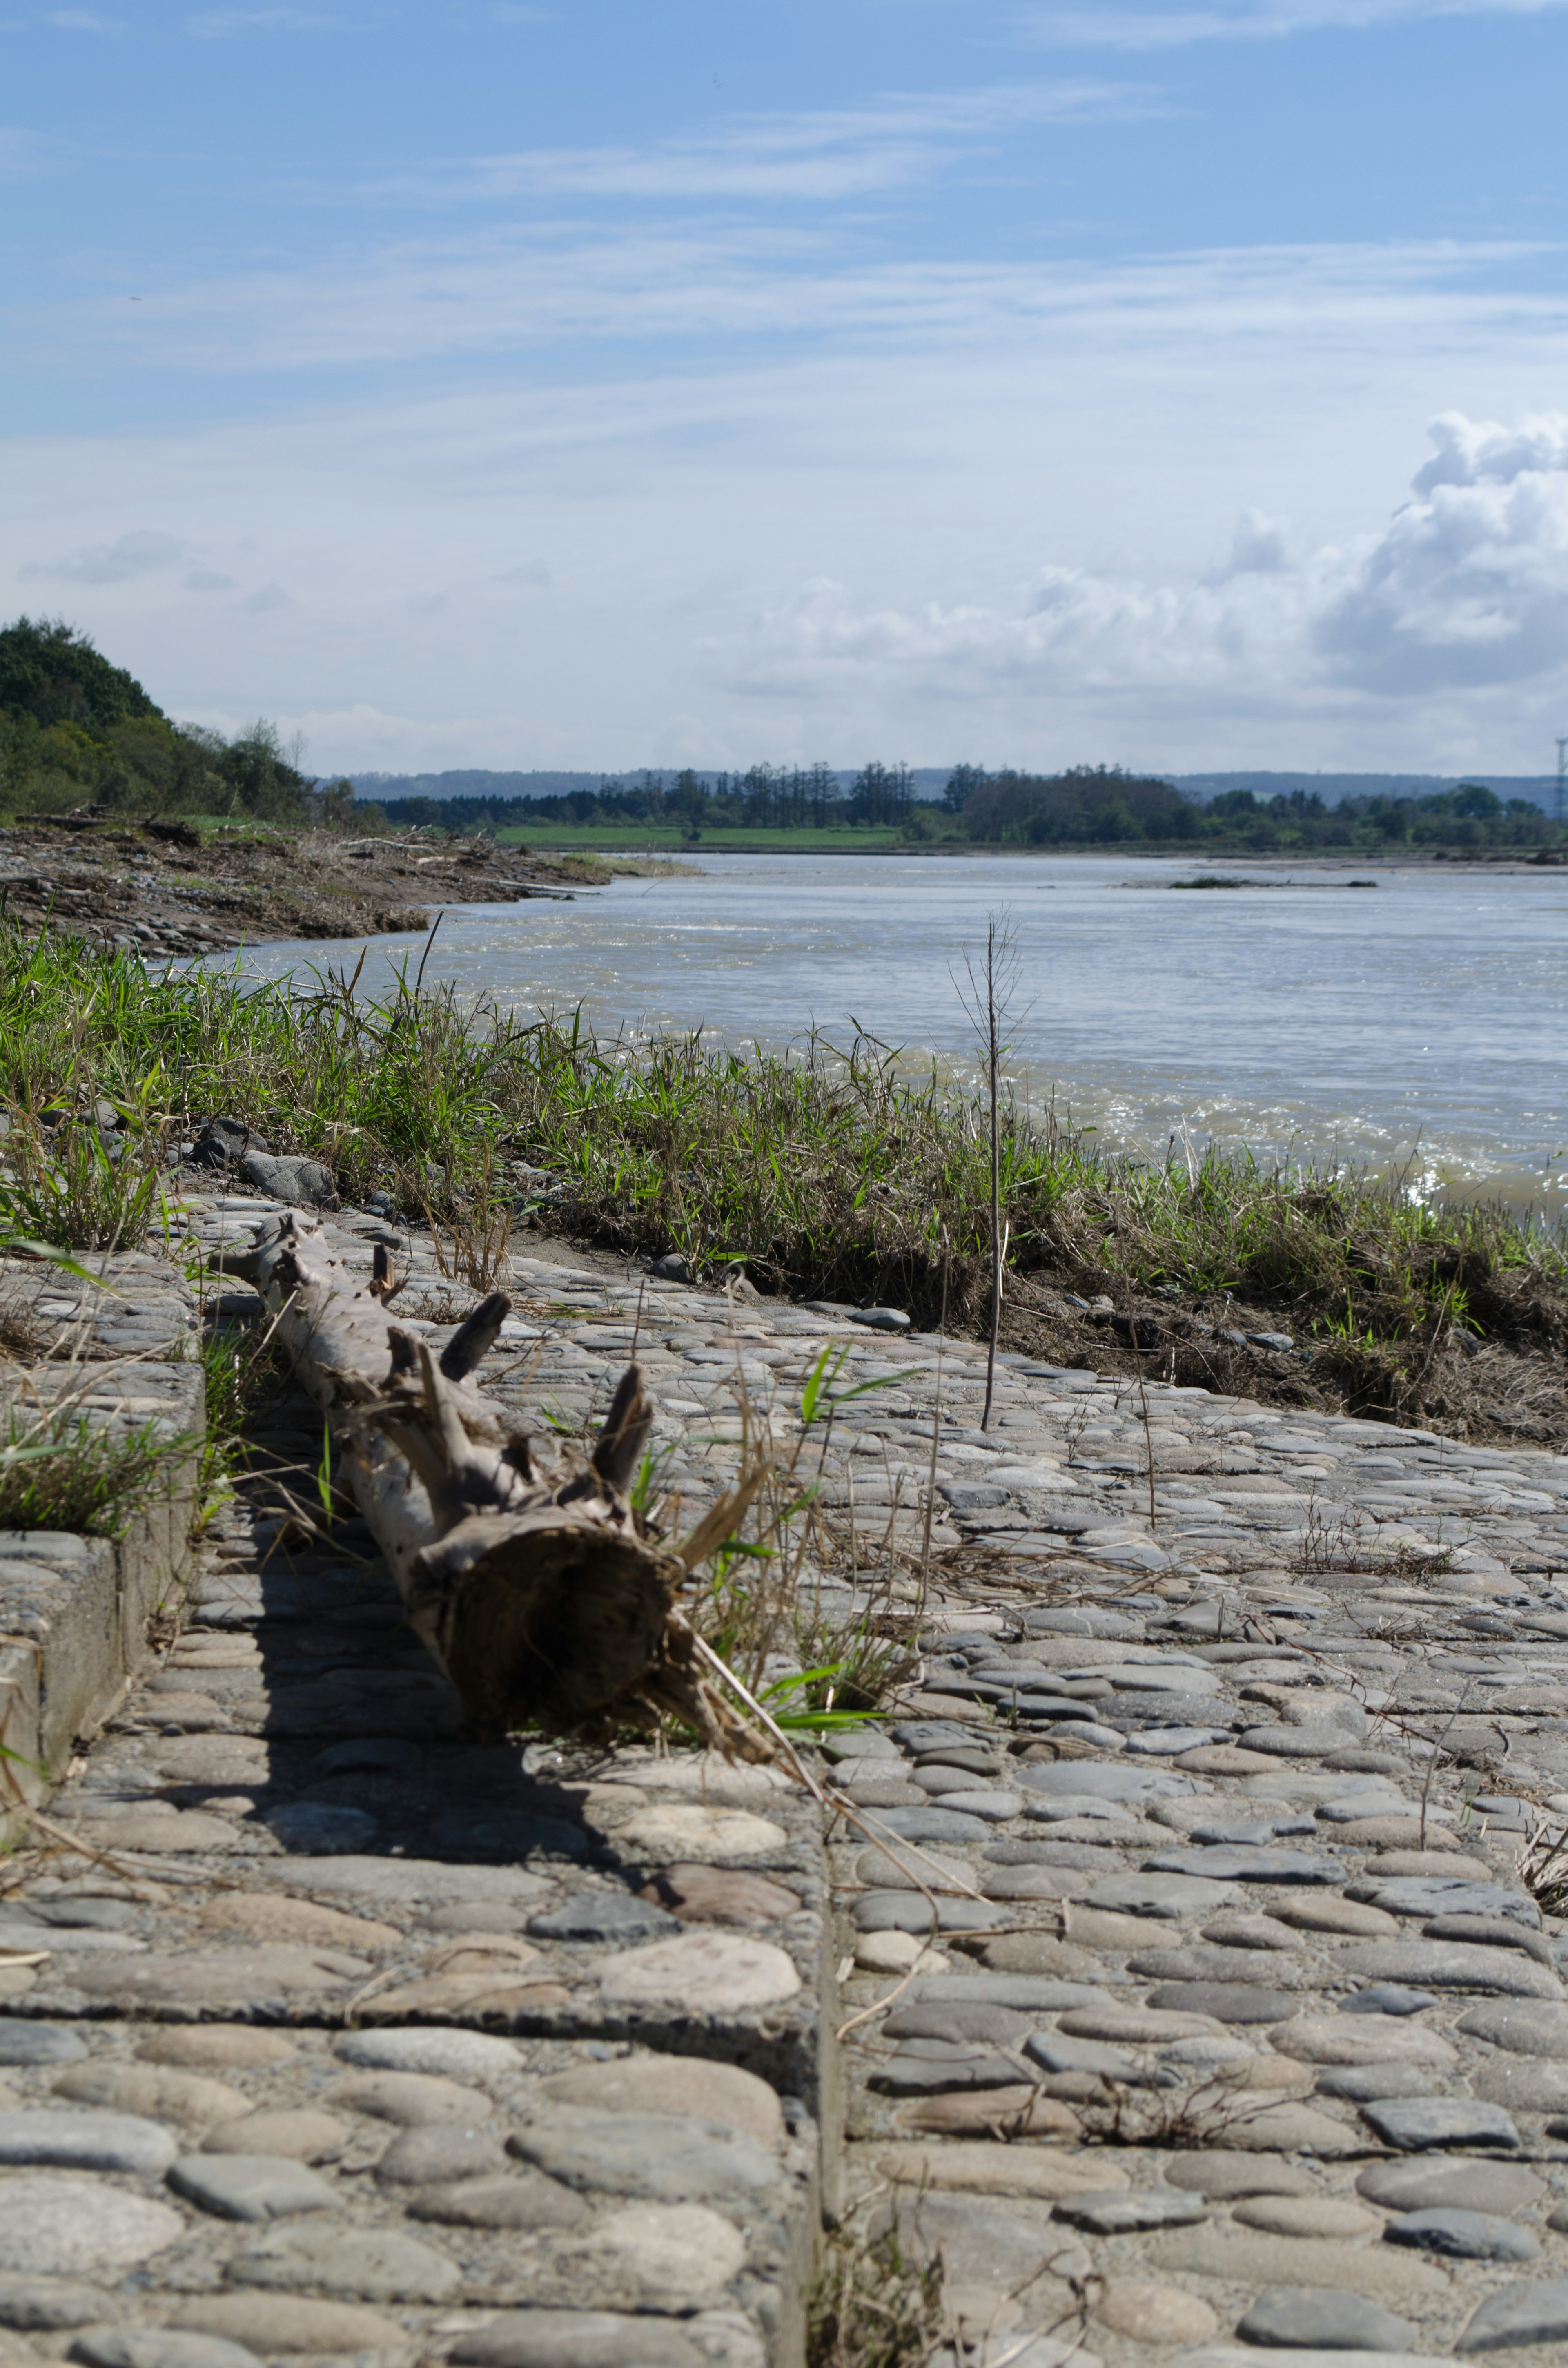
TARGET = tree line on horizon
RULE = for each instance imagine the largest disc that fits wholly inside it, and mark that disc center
(77, 731)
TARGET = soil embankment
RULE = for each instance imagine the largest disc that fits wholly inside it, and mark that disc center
(169, 888)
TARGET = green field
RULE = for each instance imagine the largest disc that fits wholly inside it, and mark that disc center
(650, 839)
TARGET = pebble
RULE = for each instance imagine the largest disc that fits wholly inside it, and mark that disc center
(216, 2045)
(515, 2200)
(1364, 2038)
(37, 2043)
(1525, 2312)
(1218, 1865)
(1147, 2313)
(663, 2084)
(1387, 1997)
(687, 1829)
(361, 2264)
(184, 2096)
(1346, 1916)
(1226, 2001)
(1463, 2235)
(274, 1915)
(1120, 2212)
(703, 1973)
(157, 2347)
(671, 2157)
(440, 2154)
(49, 2303)
(1426, 2121)
(86, 2141)
(287, 2323)
(301, 2135)
(1177, 1896)
(575, 2338)
(705, 1895)
(1220, 2174)
(61, 2227)
(414, 2100)
(226, 1977)
(603, 1916)
(250, 2186)
(1500, 2188)
(672, 2251)
(1363, 2083)
(1208, 1964)
(979, 2169)
(1305, 2216)
(1021, 2112)
(1298, 2317)
(1450, 1965)
(455, 2055)
(1533, 2029)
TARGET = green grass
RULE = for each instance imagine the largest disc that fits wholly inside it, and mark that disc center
(654, 838)
(58, 1471)
(831, 1174)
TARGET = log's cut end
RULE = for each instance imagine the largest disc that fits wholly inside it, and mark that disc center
(551, 1619)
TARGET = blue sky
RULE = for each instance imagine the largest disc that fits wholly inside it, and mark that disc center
(511, 384)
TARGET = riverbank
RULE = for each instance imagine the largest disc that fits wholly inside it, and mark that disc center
(176, 888)
(817, 1178)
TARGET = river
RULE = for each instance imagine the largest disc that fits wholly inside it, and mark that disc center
(1416, 1026)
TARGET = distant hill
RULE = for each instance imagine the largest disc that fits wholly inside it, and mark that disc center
(928, 781)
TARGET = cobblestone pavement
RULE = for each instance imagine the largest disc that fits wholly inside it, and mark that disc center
(1192, 1999)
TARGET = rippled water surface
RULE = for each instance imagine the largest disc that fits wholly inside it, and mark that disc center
(1420, 1021)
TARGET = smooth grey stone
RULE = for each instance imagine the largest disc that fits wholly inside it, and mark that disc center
(1523, 2026)
(157, 2347)
(1292, 1742)
(1440, 2122)
(971, 1496)
(671, 2157)
(37, 2043)
(1034, 1993)
(1492, 1931)
(880, 1319)
(1220, 1866)
(1156, 1894)
(916, 1735)
(1001, 2026)
(928, 2068)
(1529, 2311)
(93, 1915)
(973, 1763)
(1227, 2001)
(517, 2198)
(1450, 1965)
(29, 2302)
(1212, 1962)
(575, 2338)
(934, 1824)
(604, 1916)
(1456, 2184)
(1120, 2210)
(1088, 1858)
(1261, 1832)
(358, 2264)
(1365, 2083)
(321, 1829)
(1463, 2235)
(1059, 2054)
(1106, 1781)
(250, 2186)
(461, 2056)
(909, 1911)
(1433, 1895)
(1387, 1997)
(513, 1834)
(439, 2153)
(1313, 2318)
(1113, 1626)
(86, 2141)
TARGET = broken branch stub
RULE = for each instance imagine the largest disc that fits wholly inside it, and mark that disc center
(532, 1587)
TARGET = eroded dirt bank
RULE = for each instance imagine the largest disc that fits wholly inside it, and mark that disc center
(167, 888)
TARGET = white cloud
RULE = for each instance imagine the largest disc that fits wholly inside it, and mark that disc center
(1251, 21)
(1465, 589)
(85, 20)
(822, 154)
(229, 24)
(139, 553)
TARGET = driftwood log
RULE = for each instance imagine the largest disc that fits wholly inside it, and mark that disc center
(529, 1577)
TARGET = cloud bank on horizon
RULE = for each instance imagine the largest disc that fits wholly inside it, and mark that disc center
(549, 389)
